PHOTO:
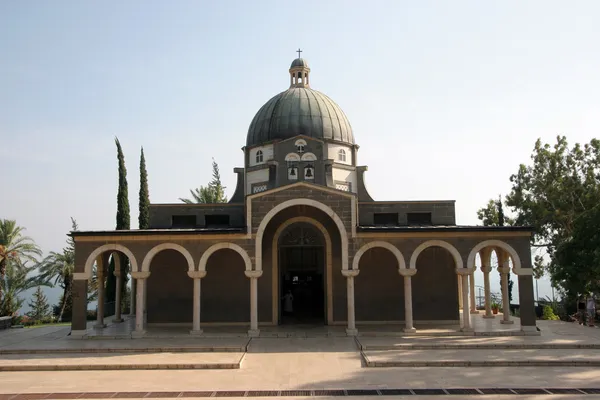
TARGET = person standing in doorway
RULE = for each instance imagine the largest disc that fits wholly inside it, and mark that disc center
(591, 309)
(288, 303)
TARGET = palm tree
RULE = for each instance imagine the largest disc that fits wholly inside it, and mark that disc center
(15, 248)
(15, 282)
(60, 267)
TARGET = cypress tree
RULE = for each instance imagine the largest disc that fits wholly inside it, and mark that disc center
(123, 220)
(144, 217)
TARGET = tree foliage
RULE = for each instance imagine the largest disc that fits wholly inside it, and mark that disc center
(17, 279)
(123, 221)
(15, 249)
(213, 193)
(144, 203)
(39, 307)
(60, 268)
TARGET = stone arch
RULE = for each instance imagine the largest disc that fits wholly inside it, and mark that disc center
(328, 264)
(379, 243)
(305, 202)
(220, 246)
(493, 244)
(108, 247)
(167, 246)
(436, 243)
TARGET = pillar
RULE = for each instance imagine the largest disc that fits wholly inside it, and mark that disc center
(253, 275)
(526, 300)
(196, 276)
(79, 308)
(408, 273)
(100, 269)
(119, 288)
(133, 297)
(140, 311)
(350, 275)
(487, 291)
(460, 298)
(504, 269)
(464, 273)
(472, 305)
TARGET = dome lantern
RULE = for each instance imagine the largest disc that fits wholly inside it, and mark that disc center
(299, 72)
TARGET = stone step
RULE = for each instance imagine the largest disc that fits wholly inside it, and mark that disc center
(120, 361)
(203, 345)
(481, 358)
(462, 343)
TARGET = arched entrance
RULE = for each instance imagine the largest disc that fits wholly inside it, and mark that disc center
(302, 274)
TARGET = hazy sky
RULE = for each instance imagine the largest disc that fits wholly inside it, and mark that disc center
(446, 99)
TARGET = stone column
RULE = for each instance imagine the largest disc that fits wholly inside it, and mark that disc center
(133, 297)
(119, 288)
(460, 299)
(466, 317)
(472, 304)
(407, 273)
(253, 275)
(526, 300)
(488, 293)
(504, 269)
(140, 311)
(100, 269)
(350, 275)
(196, 276)
(79, 308)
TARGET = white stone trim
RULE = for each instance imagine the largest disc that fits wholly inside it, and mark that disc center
(529, 328)
(306, 202)
(379, 243)
(92, 258)
(328, 265)
(78, 333)
(504, 246)
(436, 243)
(167, 246)
(221, 246)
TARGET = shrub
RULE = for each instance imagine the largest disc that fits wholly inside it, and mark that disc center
(548, 314)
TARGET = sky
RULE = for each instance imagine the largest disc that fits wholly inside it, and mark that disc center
(446, 99)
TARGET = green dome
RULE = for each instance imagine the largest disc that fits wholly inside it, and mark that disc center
(299, 62)
(299, 111)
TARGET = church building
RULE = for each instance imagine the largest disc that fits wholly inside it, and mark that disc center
(302, 241)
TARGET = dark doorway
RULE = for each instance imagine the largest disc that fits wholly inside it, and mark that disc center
(302, 278)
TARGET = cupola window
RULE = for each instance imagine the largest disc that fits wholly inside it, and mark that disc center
(259, 157)
(342, 155)
(309, 172)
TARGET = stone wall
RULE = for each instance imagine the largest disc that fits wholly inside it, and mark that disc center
(161, 214)
(442, 212)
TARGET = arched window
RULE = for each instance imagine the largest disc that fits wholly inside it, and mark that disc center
(259, 156)
(300, 143)
(342, 155)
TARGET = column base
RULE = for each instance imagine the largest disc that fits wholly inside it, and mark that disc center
(529, 328)
(491, 316)
(78, 333)
(100, 326)
(469, 329)
(138, 334)
(509, 322)
(409, 330)
(196, 332)
(474, 312)
(253, 332)
(117, 320)
(351, 332)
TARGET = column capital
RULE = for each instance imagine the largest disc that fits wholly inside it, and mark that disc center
(350, 273)
(196, 274)
(117, 273)
(140, 275)
(253, 274)
(407, 271)
(464, 271)
(504, 270)
(486, 269)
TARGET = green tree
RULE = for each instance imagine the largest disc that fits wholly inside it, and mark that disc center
(144, 205)
(60, 268)
(40, 309)
(556, 195)
(493, 215)
(211, 194)
(15, 248)
(17, 279)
